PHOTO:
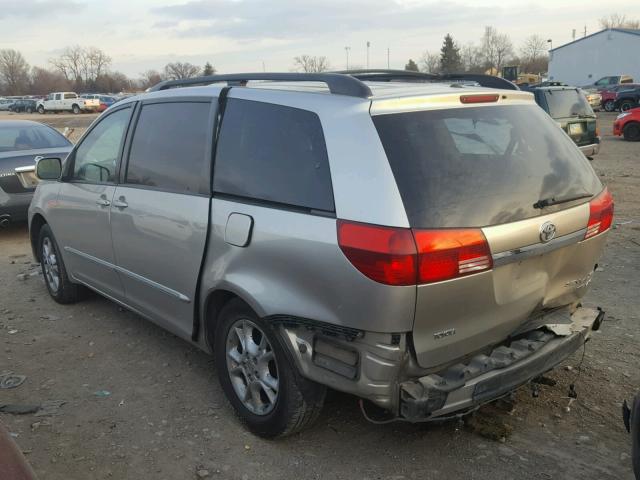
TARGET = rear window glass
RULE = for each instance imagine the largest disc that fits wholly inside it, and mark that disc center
(567, 103)
(30, 138)
(273, 153)
(479, 166)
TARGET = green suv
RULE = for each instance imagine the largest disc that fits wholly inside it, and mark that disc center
(570, 109)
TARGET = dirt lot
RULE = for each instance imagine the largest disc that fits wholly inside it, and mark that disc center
(165, 416)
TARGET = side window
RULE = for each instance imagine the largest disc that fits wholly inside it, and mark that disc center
(70, 95)
(58, 96)
(273, 153)
(169, 147)
(96, 158)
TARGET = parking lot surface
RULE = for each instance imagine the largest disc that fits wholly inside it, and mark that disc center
(139, 403)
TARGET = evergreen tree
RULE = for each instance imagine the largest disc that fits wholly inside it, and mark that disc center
(208, 69)
(411, 66)
(450, 60)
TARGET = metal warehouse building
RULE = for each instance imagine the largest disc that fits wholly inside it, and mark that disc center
(615, 51)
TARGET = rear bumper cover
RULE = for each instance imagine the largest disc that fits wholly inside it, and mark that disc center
(484, 378)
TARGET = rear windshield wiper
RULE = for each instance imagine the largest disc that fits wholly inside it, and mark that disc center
(547, 202)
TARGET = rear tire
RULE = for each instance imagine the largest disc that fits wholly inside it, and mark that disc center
(29, 110)
(609, 106)
(290, 404)
(631, 131)
(61, 289)
(626, 105)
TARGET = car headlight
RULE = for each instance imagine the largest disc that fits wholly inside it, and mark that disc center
(622, 115)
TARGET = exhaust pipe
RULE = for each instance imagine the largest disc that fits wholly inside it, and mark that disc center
(5, 220)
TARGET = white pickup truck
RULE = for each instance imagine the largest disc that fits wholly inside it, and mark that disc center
(67, 101)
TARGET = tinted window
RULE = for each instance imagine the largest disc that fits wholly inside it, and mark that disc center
(96, 157)
(30, 138)
(70, 95)
(567, 103)
(472, 167)
(169, 147)
(274, 153)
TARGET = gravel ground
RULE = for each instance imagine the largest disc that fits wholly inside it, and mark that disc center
(142, 404)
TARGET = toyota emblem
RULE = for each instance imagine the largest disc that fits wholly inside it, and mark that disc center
(547, 231)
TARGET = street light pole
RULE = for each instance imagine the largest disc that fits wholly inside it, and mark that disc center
(368, 45)
(346, 49)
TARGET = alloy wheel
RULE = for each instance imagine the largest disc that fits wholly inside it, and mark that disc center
(50, 264)
(252, 368)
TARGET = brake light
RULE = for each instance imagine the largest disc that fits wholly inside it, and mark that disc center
(484, 98)
(600, 214)
(451, 253)
(399, 256)
(384, 254)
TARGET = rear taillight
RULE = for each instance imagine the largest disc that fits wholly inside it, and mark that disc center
(600, 214)
(384, 254)
(400, 256)
(451, 253)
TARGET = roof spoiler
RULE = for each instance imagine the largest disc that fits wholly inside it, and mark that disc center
(488, 81)
(337, 83)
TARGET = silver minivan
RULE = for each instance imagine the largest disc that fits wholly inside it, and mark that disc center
(424, 245)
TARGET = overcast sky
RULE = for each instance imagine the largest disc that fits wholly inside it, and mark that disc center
(244, 35)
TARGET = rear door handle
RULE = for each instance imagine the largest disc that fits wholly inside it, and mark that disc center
(103, 202)
(120, 203)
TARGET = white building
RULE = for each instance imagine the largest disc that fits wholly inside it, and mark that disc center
(615, 51)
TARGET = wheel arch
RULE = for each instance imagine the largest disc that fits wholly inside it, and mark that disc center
(214, 302)
(37, 222)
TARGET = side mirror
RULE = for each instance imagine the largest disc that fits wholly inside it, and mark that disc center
(49, 168)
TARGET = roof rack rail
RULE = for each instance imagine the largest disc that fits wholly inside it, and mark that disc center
(338, 84)
(411, 76)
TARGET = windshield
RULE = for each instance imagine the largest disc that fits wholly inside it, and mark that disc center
(479, 166)
(567, 103)
(27, 137)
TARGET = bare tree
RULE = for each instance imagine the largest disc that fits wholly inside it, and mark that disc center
(45, 81)
(616, 20)
(497, 48)
(150, 78)
(181, 70)
(471, 57)
(430, 62)
(82, 65)
(311, 64)
(533, 48)
(14, 72)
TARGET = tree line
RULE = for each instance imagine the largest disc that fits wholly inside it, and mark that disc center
(82, 69)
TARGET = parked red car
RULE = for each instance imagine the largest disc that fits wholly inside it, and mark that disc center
(609, 95)
(627, 124)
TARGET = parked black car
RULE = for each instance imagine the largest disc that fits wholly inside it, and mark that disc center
(570, 109)
(26, 105)
(627, 99)
(21, 142)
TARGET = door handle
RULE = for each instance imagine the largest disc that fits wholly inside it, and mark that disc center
(103, 202)
(120, 203)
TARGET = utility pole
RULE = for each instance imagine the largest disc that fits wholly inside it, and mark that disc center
(388, 58)
(368, 45)
(346, 49)
(585, 30)
(573, 34)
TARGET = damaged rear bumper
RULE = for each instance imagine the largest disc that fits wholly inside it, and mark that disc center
(486, 377)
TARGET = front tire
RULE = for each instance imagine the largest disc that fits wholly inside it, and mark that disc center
(75, 109)
(631, 131)
(41, 110)
(626, 105)
(609, 106)
(61, 289)
(258, 376)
